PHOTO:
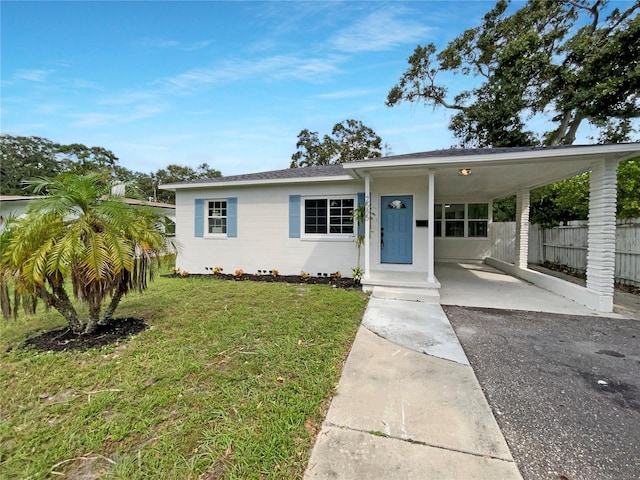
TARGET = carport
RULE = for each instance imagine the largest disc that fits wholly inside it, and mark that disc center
(480, 285)
(467, 176)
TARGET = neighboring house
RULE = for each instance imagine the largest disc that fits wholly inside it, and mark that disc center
(425, 207)
(15, 205)
(166, 209)
(12, 206)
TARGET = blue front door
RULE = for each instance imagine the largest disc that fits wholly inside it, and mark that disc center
(396, 232)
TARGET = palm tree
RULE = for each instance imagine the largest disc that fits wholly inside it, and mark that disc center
(81, 234)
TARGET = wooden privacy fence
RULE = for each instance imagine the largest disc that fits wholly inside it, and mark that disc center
(567, 246)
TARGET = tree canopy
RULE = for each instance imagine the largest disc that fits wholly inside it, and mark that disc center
(83, 234)
(25, 158)
(22, 158)
(566, 62)
(349, 140)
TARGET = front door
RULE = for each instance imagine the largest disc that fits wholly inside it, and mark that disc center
(396, 229)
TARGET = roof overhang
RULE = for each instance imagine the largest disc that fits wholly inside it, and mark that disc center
(256, 182)
(494, 175)
(17, 198)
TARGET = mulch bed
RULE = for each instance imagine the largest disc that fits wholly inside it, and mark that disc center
(63, 339)
(573, 273)
(342, 282)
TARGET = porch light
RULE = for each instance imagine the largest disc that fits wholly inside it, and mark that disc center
(465, 171)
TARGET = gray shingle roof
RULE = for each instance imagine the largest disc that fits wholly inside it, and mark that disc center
(455, 152)
(338, 170)
(303, 172)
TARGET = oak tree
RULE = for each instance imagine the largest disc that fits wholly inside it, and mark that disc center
(350, 140)
(567, 62)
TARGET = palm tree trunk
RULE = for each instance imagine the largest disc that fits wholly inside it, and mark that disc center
(5, 299)
(113, 304)
(94, 318)
(60, 301)
(16, 303)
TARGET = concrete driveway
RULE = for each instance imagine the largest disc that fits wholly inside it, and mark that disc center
(565, 389)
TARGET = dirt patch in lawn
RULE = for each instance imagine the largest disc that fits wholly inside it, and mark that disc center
(63, 339)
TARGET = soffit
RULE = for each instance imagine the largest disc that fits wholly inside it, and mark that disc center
(491, 177)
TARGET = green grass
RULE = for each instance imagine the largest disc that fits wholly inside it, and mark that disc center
(231, 381)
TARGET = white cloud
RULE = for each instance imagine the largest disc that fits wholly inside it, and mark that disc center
(92, 119)
(33, 75)
(381, 30)
(268, 68)
(175, 44)
(50, 108)
(350, 93)
(95, 119)
(128, 98)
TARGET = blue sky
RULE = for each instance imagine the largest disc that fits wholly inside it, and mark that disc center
(227, 83)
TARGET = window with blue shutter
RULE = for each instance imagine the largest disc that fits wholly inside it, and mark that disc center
(294, 216)
(198, 220)
(216, 217)
(232, 217)
(361, 203)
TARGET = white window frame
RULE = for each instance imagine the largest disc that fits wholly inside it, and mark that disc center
(443, 220)
(328, 235)
(207, 217)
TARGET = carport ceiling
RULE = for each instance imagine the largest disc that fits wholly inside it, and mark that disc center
(495, 173)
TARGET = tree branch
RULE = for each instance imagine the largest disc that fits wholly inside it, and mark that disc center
(571, 134)
(623, 16)
(560, 131)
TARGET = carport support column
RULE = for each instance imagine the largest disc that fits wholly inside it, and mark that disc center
(522, 229)
(367, 227)
(601, 237)
(431, 278)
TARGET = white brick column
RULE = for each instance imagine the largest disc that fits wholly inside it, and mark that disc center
(522, 229)
(601, 237)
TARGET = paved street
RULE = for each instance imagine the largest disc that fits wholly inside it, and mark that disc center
(564, 389)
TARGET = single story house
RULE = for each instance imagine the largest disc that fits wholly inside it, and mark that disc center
(422, 208)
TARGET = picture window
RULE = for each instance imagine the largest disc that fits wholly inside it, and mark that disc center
(328, 216)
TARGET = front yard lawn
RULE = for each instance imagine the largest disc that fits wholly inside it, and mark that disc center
(231, 380)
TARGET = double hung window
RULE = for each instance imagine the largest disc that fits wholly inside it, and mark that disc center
(216, 217)
(461, 220)
(478, 220)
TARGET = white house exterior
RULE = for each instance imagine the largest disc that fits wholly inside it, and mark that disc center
(425, 207)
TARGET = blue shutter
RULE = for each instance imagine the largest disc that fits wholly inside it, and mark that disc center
(232, 217)
(198, 220)
(361, 203)
(294, 216)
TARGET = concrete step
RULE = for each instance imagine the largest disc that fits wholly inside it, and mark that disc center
(416, 294)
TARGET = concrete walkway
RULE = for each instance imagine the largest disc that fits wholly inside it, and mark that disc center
(409, 405)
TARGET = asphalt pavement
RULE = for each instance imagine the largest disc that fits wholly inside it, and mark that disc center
(565, 389)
